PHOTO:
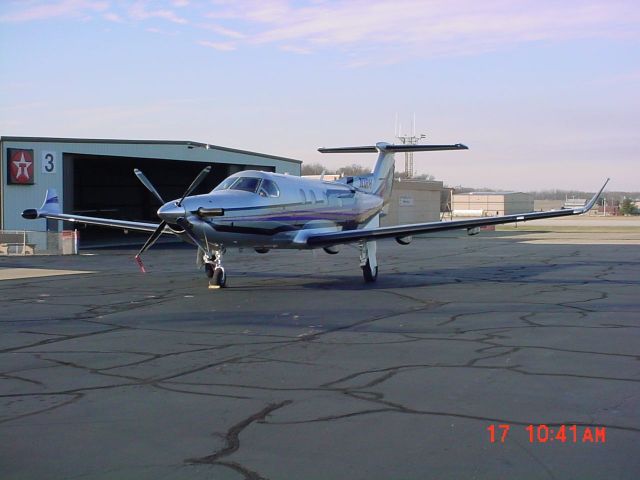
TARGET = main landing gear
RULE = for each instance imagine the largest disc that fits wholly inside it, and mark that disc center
(368, 261)
(214, 269)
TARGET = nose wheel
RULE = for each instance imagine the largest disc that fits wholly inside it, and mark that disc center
(214, 269)
(218, 279)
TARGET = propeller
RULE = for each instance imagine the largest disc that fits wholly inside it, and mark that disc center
(196, 181)
(186, 225)
(145, 181)
(181, 221)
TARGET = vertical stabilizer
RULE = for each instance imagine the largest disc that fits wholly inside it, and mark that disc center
(383, 172)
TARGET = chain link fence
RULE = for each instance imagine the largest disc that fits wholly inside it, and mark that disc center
(23, 242)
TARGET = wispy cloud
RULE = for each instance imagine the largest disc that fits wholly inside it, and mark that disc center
(294, 49)
(113, 17)
(362, 31)
(45, 10)
(220, 30)
(426, 28)
(141, 11)
(221, 46)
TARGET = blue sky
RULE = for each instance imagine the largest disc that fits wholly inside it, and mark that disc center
(546, 94)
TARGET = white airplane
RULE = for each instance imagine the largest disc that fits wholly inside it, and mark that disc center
(267, 211)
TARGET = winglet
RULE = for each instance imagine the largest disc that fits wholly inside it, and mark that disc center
(593, 200)
(51, 204)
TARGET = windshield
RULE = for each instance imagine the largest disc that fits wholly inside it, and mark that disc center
(248, 184)
(225, 183)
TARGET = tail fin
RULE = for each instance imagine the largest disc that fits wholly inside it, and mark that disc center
(51, 205)
(382, 176)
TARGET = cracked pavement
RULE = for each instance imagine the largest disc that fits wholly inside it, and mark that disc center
(300, 370)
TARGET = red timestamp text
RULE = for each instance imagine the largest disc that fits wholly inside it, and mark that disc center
(542, 433)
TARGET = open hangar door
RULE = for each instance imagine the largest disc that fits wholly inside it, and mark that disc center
(105, 186)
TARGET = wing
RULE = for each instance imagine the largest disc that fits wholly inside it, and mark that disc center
(51, 209)
(399, 231)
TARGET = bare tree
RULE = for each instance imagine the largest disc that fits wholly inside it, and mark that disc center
(313, 169)
(353, 170)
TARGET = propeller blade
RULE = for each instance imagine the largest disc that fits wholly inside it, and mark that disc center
(150, 241)
(184, 223)
(197, 181)
(145, 181)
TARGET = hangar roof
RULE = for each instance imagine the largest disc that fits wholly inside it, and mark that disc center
(186, 143)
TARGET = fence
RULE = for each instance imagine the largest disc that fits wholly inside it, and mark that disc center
(22, 242)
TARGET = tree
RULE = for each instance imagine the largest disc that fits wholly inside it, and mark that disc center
(313, 169)
(353, 170)
(628, 207)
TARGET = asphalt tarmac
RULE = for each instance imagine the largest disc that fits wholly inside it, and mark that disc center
(299, 370)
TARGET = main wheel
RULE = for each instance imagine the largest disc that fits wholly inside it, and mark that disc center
(369, 274)
(219, 277)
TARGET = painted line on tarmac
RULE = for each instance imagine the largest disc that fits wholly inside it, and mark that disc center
(20, 273)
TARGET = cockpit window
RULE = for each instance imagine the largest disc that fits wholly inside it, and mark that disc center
(248, 184)
(225, 183)
(269, 189)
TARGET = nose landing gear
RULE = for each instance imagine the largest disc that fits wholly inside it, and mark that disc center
(214, 269)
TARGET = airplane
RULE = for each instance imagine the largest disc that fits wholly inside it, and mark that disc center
(265, 211)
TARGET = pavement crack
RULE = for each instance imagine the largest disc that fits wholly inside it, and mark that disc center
(232, 439)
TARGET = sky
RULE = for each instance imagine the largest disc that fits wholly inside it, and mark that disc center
(546, 94)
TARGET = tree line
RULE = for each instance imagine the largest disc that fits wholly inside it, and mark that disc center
(352, 170)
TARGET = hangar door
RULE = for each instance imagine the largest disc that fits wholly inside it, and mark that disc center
(105, 186)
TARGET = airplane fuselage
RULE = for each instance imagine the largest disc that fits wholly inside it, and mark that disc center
(268, 210)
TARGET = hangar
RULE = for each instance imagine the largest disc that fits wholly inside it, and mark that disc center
(489, 204)
(95, 176)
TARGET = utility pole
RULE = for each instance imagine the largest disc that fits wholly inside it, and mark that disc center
(408, 140)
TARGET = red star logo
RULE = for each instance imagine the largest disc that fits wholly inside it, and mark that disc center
(21, 167)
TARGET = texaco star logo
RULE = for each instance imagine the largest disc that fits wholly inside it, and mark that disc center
(21, 166)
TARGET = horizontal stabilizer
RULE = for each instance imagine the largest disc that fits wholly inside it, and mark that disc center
(385, 147)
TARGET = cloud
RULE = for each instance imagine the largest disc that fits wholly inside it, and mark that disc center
(294, 49)
(32, 11)
(426, 28)
(113, 17)
(139, 11)
(220, 46)
(363, 31)
(225, 32)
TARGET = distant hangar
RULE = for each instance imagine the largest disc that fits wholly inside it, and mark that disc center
(95, 176)
(490, 204)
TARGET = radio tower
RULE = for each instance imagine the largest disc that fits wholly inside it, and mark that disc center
(408, 140)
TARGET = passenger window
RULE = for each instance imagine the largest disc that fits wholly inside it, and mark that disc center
(269, 189)
(312, 196)
(303, 196)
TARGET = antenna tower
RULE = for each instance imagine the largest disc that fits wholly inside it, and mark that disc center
(408, 140)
